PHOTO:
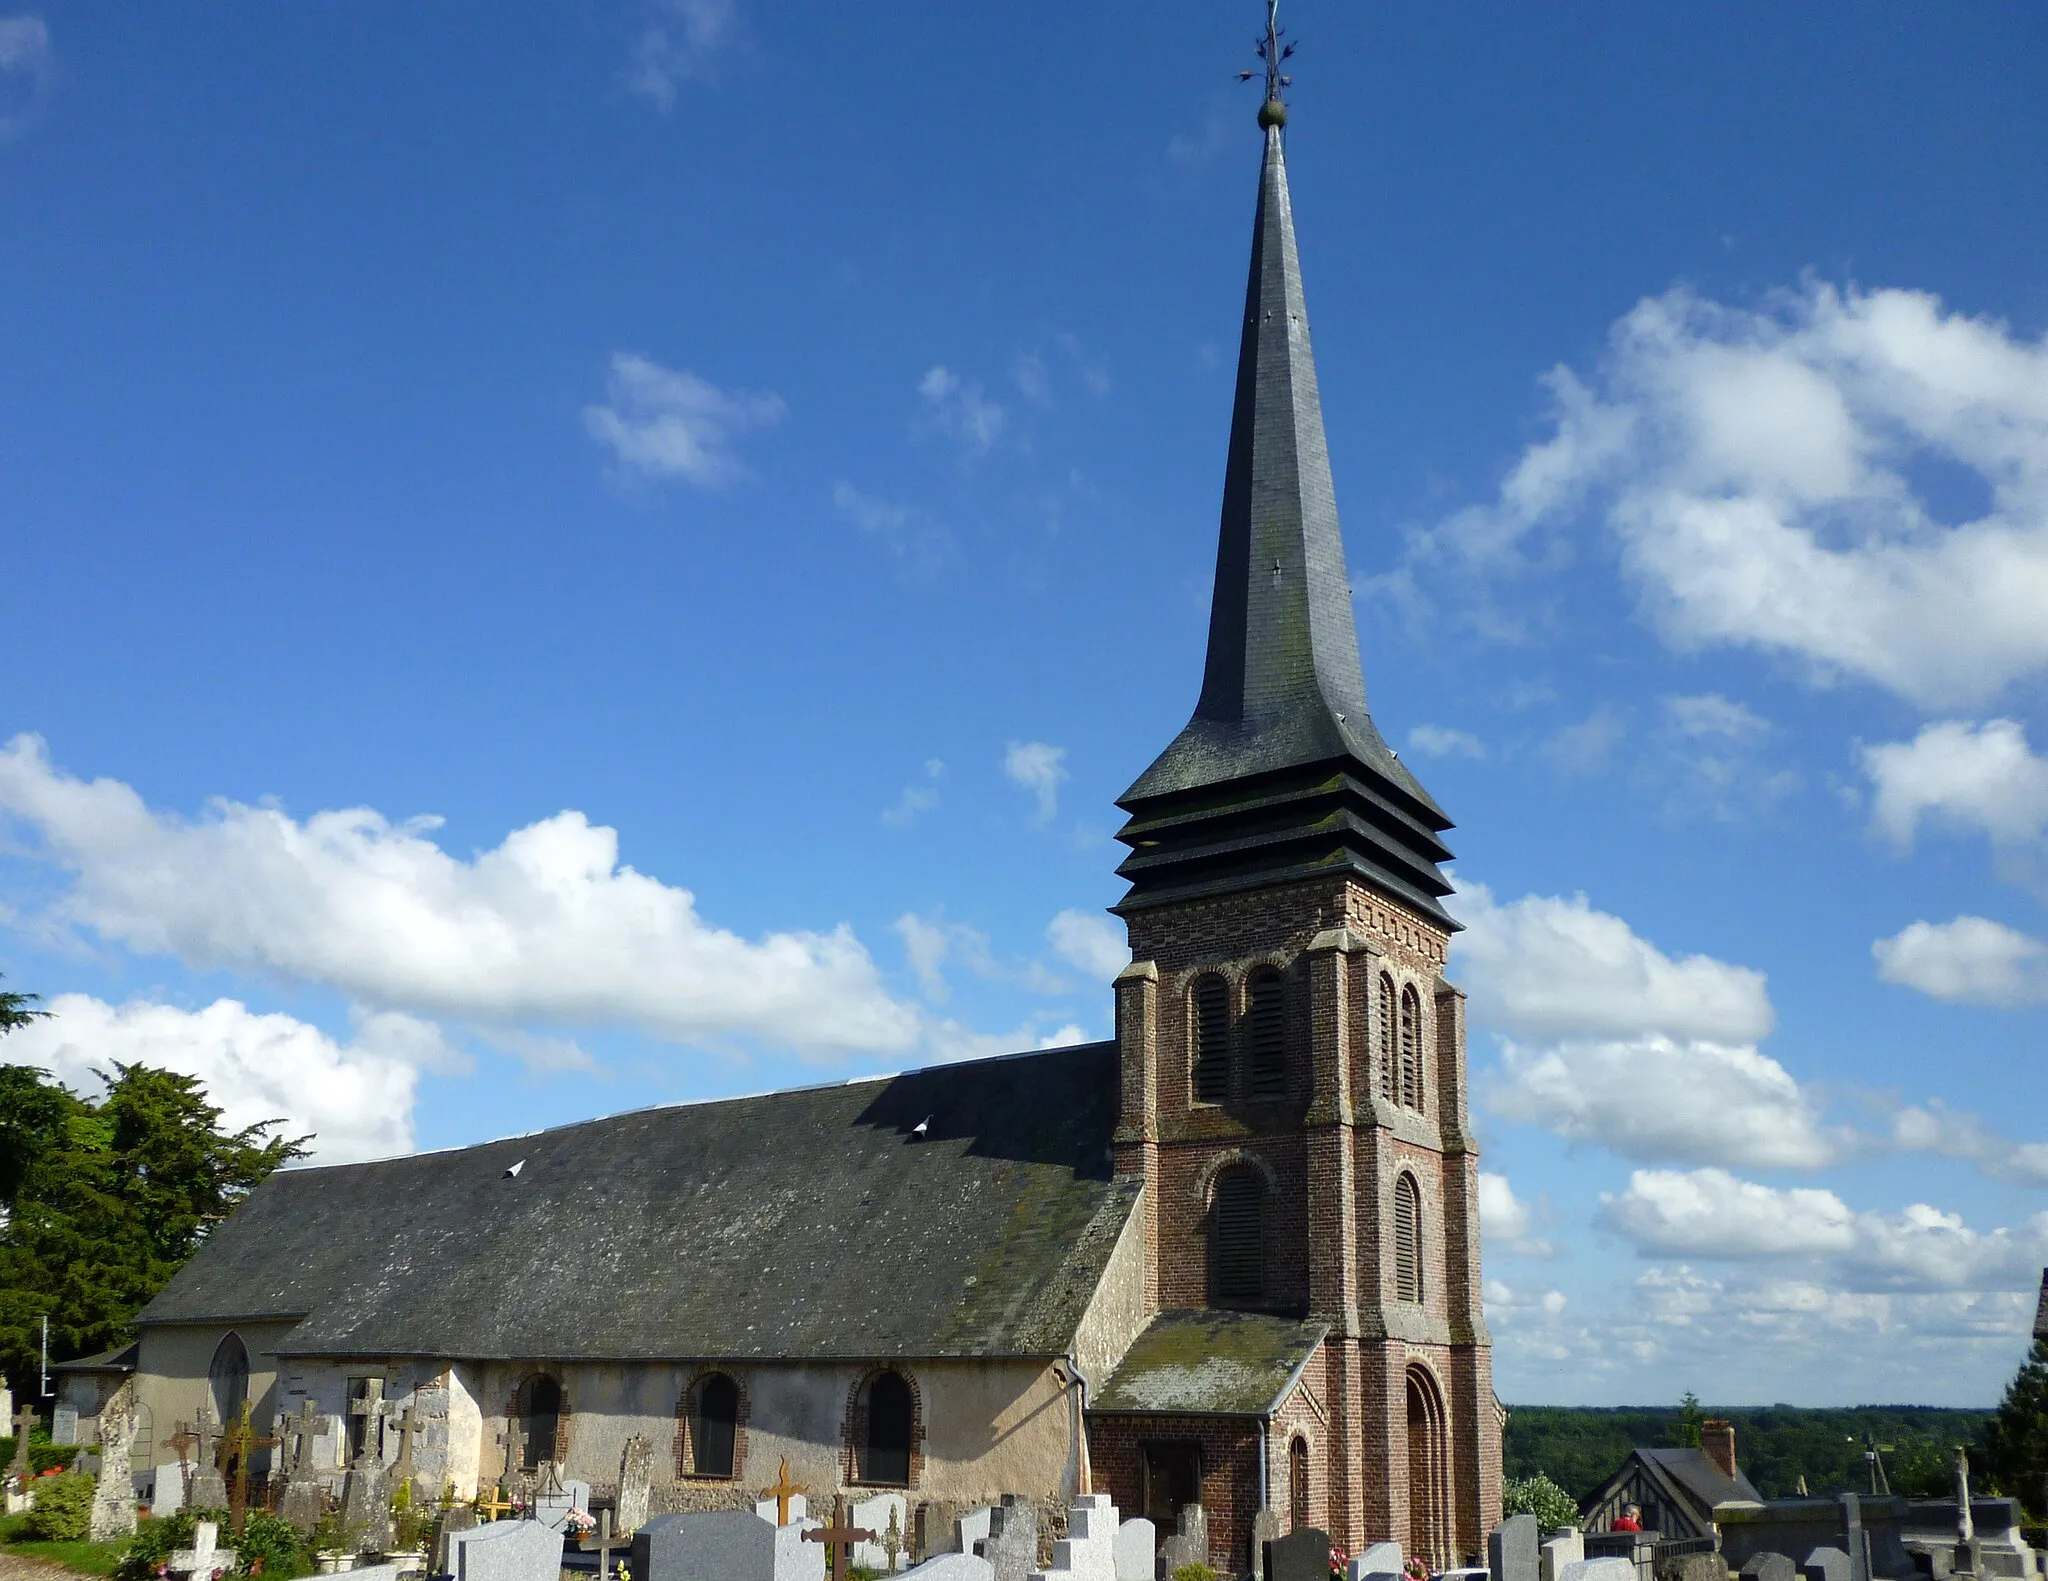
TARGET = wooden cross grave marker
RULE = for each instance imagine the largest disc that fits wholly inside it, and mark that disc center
(602, 1542)
(783, 1491)
(839, 1539)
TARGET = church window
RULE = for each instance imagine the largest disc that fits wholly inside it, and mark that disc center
(1237, 1240)
(1388, 1040)
(1211, 1004)
(1297, 1484)
(714, 1426)
(1407, 1238)
(888, 1420)
(228, 1378)
(1411, 1049)
(1266, 1035)
(540, 1421)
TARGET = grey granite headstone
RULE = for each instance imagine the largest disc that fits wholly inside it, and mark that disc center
(1135, 1550)
(64, 1425)
(1379, 1559)
(1567, 1545)
(1011, 1547)
(552, 1509)
(1693, 1567)
(1609, 1568)
(453, 1521)
(167, 1491)
(725, 1545)
(1770, 1567)
(1826, 1564)
(1302, 1555)
(1511, 1550)
(1190, 1544)
(953, 1567)
(972, 1528)
(508, 1551)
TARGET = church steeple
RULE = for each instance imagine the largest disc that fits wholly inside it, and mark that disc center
(1281, 773)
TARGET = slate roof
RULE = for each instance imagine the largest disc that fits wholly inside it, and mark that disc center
(1704, 1484)
(1206, 1362)
(805, 1224)
(120, 1359)
(1281, 772)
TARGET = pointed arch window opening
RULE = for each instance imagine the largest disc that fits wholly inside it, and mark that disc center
(1297, 1484)
(227, 1378)
(1210, 1006)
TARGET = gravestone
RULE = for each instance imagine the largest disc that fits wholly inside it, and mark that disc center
(113, 1498)
(1136, 1550)
(768, 1509)
(878, 1515)
(636, 1485)
(64, 1425)
(1511, 1550)
(1854, 1539)
(1825, 1564)
(953, 1567)
(300, 1506)
(725, 1545)
(1770, 1567)
(1381, 1559)
(23, 1424)
(1302, 1555)
(1610, 1568)
(1190, 1544)
(1088, 1550)
(453, 1521)
(1693, 1567)
(507, 1551)
(384, 1572)
(1011, 1547)
(552, 1507)
(204, 1557)
(366, 1504)
(1266, 1527)
(167, 1489)
(972, 1528)
(1567, 1545)
(208, 1489)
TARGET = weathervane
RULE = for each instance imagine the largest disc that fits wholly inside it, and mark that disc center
(1274, 111)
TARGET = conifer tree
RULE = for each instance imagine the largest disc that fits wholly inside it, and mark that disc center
(2016, 1442)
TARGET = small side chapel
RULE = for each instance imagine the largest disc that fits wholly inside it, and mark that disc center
(1229, 1258)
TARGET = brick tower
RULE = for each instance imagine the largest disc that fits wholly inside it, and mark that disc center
(1294, 1078)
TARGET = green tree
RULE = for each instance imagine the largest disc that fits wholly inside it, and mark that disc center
(1540, 1497)
(1686, 1426)
(18, 1010)
(104, 1200)
(2016, 1442)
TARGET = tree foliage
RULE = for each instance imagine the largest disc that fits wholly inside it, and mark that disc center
(2016, 1445)
(102, 1200)
(1540, 1497)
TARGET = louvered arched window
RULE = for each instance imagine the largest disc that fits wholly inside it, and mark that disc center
(1237, 1240)
(1211, 1026)
(1407, 1238)
(1265, 1021)
(1411, 1049)
(1388, 1040)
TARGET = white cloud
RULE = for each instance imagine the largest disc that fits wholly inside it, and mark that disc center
(1587, 748)
(1710, 1213)
(27, 68)
(918, 798)
(927, 941)
(1970, 961)
(1714, 761)
(962, 411)
(1440, 741)
(1091, 941)
(1508, 1221)
(1714, 717)
(1964, 775)
(666, 422)
(355, 1098)
(548, 926)
(1547, 967)
(1758, 466)
(680, 46)
(1041, 769)
(911, 537)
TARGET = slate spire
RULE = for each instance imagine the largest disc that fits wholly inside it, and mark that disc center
(1281, 773)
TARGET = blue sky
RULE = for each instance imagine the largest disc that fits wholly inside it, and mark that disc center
(563, 558)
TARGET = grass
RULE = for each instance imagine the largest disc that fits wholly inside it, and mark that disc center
(92, 1559)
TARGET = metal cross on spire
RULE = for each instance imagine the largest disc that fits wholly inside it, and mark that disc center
(1273, 52)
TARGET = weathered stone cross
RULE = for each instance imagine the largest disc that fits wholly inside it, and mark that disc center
(839, 1539)
(24, 1424)
(202, 1560)
(783, 1491)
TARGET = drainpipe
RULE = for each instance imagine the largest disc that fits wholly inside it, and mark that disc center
(1265, 1438)
(1077, 1391)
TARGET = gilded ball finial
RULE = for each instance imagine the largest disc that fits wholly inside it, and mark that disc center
(1272, 113)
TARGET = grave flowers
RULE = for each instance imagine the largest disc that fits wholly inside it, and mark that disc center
(1416, 1569)
(577, 1525)
(1340, 1561)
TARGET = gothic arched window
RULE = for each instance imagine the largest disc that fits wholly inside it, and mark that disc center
(1210, 1003)
(1407, 1238)
(888, 1417)
(1388, 1038)
(228, 1378)
(1237, 1249)
(714, 1426)
(1297, 1484)
(1266, 1034)
(1411, 1049)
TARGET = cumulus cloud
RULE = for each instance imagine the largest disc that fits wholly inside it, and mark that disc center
(27, 68)
(1967, 776)
(1509, 1223)
(1440, 741)
(679, 45)
(1969, 961)
(668, 423)
(1587, 748)
(961, 410)
(355, 1098)
(548, 926)
(1042, 770)
(1090, 941)
(919, 797)
(1758, 466)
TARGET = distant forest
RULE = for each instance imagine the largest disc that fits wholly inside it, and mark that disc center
(1580, 1447)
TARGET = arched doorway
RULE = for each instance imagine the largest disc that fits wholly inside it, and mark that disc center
(1429, 1471)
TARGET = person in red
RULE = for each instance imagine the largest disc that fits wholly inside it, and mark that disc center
(1629, 1520)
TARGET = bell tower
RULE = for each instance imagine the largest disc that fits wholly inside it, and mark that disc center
(1293, 1059)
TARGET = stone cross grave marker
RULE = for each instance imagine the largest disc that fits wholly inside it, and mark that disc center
(513, 1442)
(301, 1503)
(204, 1558)
(892, 1541)
(408, 1430)
(24, 1424)
(602, 1543)
(113, 1499)
(783, 1491)
(208, 1489)
(839, 1539)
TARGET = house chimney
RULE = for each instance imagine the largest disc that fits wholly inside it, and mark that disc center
(1718, 1440)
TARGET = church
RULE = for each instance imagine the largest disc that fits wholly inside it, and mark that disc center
(1230, 1257)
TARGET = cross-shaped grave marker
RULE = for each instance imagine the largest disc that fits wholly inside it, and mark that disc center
(601, 1542)
(783, 1491)
(408, 1430)
(368, 1407)
(24, 1424)
(240, 1446)
(513, 1442)
(892, 1539)
(839, 1539)
(203, 1560)
(495, 1506)
(301, 1430)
